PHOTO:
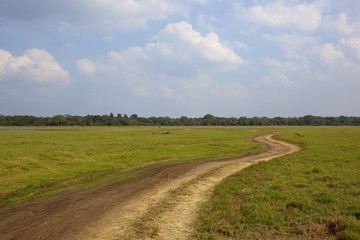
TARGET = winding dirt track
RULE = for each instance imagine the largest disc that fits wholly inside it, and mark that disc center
(160, 205)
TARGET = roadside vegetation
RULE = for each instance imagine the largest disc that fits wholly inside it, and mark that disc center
(37, 164)
(311, 194)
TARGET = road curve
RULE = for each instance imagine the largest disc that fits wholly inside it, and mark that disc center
(160, 205)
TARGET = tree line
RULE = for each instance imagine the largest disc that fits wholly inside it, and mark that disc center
(207, 120)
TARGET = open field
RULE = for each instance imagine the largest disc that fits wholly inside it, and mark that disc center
(159, 205)
(38, 164)
(311, 194)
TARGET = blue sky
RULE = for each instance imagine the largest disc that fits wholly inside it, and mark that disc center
(180, 58)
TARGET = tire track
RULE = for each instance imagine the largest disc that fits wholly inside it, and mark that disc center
(171, 210)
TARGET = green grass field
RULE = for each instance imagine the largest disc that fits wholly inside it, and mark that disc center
(37, 164)
(311, 194)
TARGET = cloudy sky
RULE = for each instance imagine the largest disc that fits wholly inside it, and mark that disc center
(180, 58)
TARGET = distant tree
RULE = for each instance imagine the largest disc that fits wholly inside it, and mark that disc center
(209, 119)
(184, 121)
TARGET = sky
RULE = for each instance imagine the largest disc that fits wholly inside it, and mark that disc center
(228, 58)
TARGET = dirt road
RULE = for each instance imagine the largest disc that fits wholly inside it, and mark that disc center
(160, 205)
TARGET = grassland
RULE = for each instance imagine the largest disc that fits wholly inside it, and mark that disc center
(311, 194)
(37, 164)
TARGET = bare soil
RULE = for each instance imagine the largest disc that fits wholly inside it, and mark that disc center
(160, 205)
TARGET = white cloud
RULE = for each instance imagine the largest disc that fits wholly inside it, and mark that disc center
(35, 65)
(294, 45)
(201, 81)
(179, 58)
(353, 43)
(90, 68)
(329, 54)
(273, 63)
(282, 66)
(179, 39)
(284, 80)
(171, 94)
(202, 2)
(278, 70)
(241, 45)
(130, 13)
(176, 48)
(86, 66)
(142, 91)
(293, 41)
(71, 14)
(339, 23)
(303, 17)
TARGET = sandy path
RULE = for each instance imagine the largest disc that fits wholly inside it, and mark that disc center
(161, 205)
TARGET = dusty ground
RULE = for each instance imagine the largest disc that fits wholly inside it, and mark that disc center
(160, 205)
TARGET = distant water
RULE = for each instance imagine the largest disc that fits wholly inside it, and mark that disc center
(17, 130)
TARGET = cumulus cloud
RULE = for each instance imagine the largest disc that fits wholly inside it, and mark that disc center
(180, 39)
(125, 14)
(89, 68)
(176, 46)
(175, 59)
(303, 17)
(329, 54)
(35, 65)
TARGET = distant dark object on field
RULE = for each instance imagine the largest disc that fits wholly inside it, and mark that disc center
(162, 133)
(298, 134)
